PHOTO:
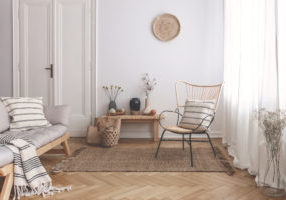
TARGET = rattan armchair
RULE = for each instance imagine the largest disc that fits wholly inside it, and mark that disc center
(185, 90)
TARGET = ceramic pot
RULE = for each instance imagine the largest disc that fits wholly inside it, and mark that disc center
(147, 109)
(135, 104)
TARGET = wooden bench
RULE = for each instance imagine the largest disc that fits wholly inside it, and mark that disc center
(8, 170)
(154, 119)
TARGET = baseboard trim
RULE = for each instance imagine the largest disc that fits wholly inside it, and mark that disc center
(77, 134)
(213, 134)
(148, 135)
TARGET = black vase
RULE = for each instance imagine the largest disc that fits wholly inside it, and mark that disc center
(135, 104)
(112, 104)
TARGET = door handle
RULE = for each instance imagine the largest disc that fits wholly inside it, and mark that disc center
(51, 68)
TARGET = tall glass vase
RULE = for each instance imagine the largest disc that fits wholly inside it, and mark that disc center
(269, 177)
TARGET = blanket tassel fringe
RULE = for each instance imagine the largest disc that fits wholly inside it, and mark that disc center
(45, 190)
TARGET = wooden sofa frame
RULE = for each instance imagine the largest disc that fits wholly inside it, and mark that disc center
(8, 170)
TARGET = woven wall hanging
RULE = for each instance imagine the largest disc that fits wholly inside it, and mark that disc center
(166, 27)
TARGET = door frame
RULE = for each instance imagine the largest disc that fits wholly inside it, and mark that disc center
(93, 52)
(16, 48)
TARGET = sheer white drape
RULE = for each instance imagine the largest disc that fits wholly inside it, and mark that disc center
(251, 68)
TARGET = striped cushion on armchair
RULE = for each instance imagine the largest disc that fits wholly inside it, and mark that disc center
(195, 111)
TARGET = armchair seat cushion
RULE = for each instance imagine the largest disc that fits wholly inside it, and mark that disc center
(180, 130)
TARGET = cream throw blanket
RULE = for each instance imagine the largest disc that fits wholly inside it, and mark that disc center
(30, 177)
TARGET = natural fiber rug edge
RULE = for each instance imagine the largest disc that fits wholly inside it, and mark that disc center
(220, 156)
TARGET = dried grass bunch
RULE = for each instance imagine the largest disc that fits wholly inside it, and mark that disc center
(112, 91)
(273, 124)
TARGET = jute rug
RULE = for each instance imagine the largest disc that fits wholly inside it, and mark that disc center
(141, 159)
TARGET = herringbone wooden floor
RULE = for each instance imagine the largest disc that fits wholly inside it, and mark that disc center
(154, 186)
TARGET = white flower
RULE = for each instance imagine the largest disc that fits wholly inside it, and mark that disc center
(148, 83)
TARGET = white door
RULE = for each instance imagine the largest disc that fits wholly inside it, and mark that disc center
(72, 56)
(35, 52)
(54, 56)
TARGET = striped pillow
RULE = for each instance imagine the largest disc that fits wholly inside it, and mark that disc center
(25, 113)
(195, 111)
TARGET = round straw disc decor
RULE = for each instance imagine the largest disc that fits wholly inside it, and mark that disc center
(166, 27)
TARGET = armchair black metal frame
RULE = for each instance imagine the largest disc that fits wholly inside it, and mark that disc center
(195, 131)
(183, 140)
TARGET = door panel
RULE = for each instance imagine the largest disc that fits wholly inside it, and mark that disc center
(35, 48)
(57, 32)
(72, 61)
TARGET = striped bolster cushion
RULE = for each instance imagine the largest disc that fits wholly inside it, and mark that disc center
(195, 111)
(25, 113)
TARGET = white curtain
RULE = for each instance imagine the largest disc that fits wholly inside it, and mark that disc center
(254, 48)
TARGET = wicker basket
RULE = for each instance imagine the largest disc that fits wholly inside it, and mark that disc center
(111, 135)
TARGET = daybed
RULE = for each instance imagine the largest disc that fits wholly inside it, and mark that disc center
(44, 139)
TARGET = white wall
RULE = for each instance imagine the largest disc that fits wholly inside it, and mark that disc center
(126, 48)
(5, 47)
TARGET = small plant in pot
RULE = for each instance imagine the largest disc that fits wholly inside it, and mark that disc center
(112, 91)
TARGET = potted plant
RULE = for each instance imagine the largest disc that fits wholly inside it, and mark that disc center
(112, 92)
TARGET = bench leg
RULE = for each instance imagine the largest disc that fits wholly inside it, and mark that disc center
(66, 147)
(6, 190)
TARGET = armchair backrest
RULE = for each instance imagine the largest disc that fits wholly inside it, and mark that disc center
(185, 90)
